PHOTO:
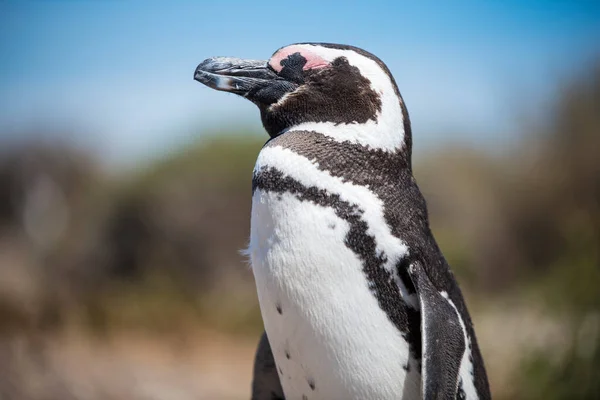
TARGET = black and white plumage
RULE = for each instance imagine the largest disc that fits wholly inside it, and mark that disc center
(357, 299)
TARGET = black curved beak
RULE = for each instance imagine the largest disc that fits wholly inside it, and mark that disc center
(252, 79)
(234, 74)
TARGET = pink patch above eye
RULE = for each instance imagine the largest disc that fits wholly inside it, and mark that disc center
(312, 60)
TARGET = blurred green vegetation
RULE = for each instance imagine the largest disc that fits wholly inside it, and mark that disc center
(156, 249)
(147, 250)
(572, 374)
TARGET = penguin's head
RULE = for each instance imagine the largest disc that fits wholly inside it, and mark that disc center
(318, 86)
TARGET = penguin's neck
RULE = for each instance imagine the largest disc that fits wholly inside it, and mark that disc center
(385, 132)
(351, 161)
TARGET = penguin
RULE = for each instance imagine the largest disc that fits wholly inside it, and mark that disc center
(357, 299)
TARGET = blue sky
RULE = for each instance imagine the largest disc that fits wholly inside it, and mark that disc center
(120, 72)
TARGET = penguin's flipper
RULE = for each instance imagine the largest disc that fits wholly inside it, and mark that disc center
(443, 340)
(265, 382)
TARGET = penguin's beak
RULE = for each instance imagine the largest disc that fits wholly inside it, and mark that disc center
(234, 74)
(252, 79)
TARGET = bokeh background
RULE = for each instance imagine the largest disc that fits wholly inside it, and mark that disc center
(125, 186)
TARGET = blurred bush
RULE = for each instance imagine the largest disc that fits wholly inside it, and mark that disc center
(558, 230)
(119, 250)
(531, 213)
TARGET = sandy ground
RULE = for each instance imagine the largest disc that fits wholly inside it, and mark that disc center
(205, 365)
(130, 366)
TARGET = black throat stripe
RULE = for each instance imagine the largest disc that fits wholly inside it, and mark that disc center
(381, 283)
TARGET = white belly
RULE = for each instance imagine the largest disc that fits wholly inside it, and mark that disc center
(329, 337)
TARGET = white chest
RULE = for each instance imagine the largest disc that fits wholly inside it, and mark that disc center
(329, 336)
